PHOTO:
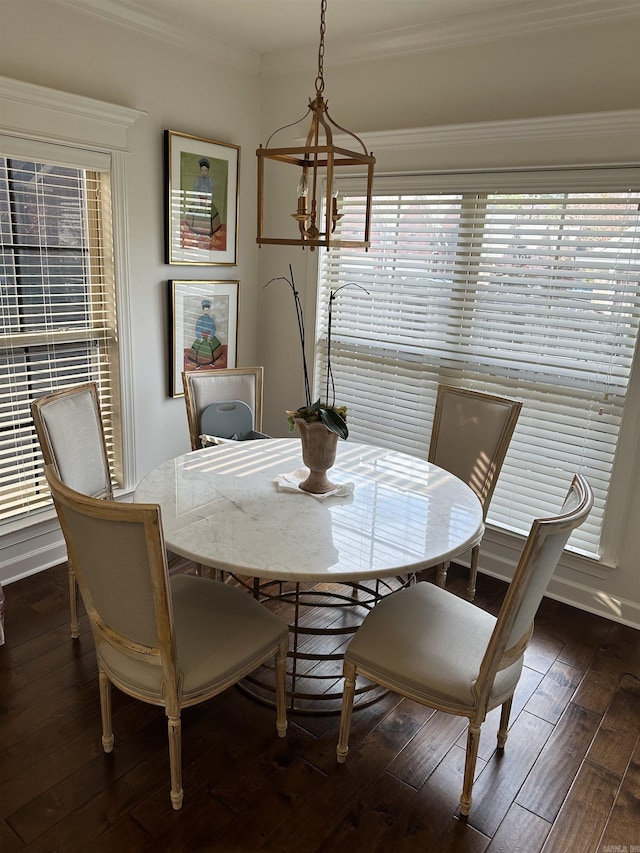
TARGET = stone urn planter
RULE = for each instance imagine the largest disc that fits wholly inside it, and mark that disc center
(318, 454)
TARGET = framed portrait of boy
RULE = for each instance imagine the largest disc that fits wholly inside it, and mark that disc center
(202, 182)
(203, 324)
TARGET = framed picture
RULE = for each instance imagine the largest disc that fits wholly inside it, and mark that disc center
(203, 323)
(202, 178)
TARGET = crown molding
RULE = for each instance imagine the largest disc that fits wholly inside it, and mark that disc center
(526, 18)
(125, 13)
(522, 20)
(581, 125)
(43, 113)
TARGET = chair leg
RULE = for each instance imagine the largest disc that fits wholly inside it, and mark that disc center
(441, 577)
(73, 602)
(473, 740)
(175, 760)
(281, 687)
(105, 710)
(349, 671)
(473, 573)
(504, 722)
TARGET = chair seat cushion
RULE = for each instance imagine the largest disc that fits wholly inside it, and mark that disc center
(220, 631)
(431, 643)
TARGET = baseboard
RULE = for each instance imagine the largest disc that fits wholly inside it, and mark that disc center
(31, 550)
(577, 582)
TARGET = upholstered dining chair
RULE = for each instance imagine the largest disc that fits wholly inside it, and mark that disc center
(69, 428)
(171, 642)
(202, 389)
(470, 437)
(429, 645)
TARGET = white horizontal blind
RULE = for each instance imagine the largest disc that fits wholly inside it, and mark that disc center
(527, 286)
(58, 311)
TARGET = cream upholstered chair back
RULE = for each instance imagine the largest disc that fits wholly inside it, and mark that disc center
(538, 561)
(172, 642)
(201, 389)
(69, 428)
(117, 549)
(470, 436)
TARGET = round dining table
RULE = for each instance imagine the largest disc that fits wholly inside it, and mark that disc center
(237, 508)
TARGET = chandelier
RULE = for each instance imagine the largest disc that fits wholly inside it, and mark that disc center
(317, 212)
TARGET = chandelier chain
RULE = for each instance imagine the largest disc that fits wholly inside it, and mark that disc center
(320, 77)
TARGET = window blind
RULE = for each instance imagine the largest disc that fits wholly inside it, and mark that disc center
(525, 285)
(58, 308)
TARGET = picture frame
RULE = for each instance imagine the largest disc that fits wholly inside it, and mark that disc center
(203, 328)
(201, 199)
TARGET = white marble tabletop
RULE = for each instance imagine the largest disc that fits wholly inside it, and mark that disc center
(222, 507)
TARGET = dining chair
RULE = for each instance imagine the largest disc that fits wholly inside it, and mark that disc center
(429, 645)
(69, 428)
(470, 437)
(171, 642)
(71, 434)
(204, 391)
(201, 389)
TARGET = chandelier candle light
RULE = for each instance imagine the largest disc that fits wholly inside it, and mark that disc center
(316, 164)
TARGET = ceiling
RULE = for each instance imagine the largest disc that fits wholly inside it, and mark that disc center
(245, 31)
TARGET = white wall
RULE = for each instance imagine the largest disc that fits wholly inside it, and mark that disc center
(47, 44)
(575, 70)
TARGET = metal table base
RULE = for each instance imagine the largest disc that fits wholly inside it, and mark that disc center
(322, 619)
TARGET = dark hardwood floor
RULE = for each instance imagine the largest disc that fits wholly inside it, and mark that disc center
(569, 778)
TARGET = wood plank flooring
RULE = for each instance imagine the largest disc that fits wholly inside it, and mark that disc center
(569, 778)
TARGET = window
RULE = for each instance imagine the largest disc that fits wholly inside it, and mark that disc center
(58, 311)
(525, 285)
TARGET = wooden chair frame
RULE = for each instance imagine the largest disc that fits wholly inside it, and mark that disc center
(503, 648)
(485, 488)
(164, 654)
(39, 413)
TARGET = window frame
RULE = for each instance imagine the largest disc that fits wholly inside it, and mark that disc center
(61, 313)
(40, 123)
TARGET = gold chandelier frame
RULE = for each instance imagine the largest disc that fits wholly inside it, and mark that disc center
(318, 162)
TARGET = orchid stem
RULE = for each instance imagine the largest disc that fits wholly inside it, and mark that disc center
(332, 296)
(300, 318)
(330, 383)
